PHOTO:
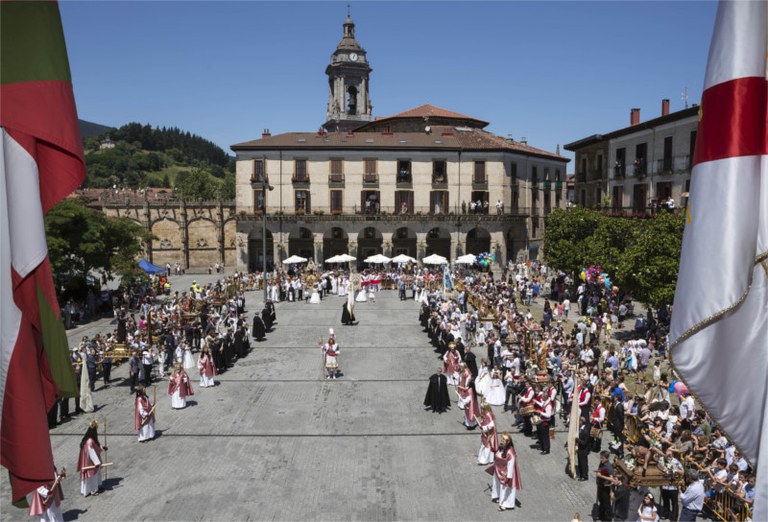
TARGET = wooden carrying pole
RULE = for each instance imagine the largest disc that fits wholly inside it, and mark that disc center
(106, 470)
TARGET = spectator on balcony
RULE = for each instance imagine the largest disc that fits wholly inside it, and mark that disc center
(404, 208)
(463, 207)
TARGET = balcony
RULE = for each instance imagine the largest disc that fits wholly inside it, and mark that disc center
(581, 177)
(620, 171)
(597, 174)
(439, 181)
(479, 183)
(300, 180)
(453, 216)
(336, 180)
(404, 179)
(672, 165)
(370, 180)
(258, 179)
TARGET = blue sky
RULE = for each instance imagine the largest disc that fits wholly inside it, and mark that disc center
(552, 72)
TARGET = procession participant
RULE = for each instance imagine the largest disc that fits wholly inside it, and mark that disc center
(496, 389)
(597, 419)
(258, 330)
(47, 499)
(89, 461)
(207, 368)
(179, 387)
(489, 440)
(583, 449)
(330, 356)
(437, 398)
(546, 410)
(467, 399)
(585, 399)
(506, 475)
(144, 416)
(524, 401)
(451, 361)
(266, 317)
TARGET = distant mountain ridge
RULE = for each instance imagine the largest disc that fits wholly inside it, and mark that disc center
(88, 129)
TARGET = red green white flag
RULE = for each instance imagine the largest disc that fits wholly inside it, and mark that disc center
(41, 162)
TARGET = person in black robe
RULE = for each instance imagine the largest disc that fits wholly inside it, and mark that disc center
(266, 317)
(437, 398)
(121, 329)
(239, 342)
(347, 317)
(258, 330)
(271, 307)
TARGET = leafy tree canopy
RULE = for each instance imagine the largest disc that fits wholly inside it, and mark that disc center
(84, 242)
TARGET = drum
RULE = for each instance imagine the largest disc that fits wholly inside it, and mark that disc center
(535, 419)
(528, 410)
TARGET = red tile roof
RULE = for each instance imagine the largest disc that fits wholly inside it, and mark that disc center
(428, 111)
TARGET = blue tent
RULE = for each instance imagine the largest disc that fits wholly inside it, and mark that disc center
(150, 268)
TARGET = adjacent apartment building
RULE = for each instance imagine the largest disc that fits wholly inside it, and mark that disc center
(637, 168)
(427, 180)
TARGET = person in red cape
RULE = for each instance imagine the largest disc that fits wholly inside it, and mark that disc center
(467, 398)
(47, 499)
(89, 461)
(207, 368)
(144, 416)
(506, 475)
(489, 439)
(179, 387)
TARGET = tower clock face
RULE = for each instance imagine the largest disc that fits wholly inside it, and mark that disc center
(353, 57)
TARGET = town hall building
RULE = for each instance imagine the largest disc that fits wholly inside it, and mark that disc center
(426, 180)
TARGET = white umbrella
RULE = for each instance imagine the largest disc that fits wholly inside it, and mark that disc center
(341, 258)
(377, 259)
(466, 259)
(402, 258)
(434, 259)
(294, 259)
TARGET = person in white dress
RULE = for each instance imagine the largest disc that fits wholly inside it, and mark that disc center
(315, 299)
(89, 461)
(497, 393)
(179, 388)
(189, 361)
(483, 382)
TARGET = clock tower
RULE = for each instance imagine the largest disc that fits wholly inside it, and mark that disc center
(349, 105)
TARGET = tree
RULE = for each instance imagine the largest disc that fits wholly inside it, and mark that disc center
(83, 242)
(567, 236)
(648, 268)
(198, 185)
(610, 240)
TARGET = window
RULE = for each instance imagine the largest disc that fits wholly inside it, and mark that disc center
(300, 166)
(479, 203)
(534, 189)
(404, 171)
(258, 171)
(369, 172)
(547, 202)
(404, 202)
(691, 149)
(620, 166)
(352, 100)
(337, 174)
(479, 172)
(617, 201)
(302, 201)
(641, 156)
(370, 201)
(639, 197)
(667, 161)
(583, 171)
(337, 201)
(439, 172)
(438, 200)
(599, 172)
(258, 200)
(513, 172)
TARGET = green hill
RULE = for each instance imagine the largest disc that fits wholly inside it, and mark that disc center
(88, 129)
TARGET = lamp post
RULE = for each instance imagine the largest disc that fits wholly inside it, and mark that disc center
(264, 187)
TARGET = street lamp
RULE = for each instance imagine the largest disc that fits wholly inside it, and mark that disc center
(264, 187)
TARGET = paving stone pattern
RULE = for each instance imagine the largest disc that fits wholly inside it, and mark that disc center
(276, 441)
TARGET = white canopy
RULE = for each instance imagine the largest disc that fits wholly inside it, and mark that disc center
(466, 259)
(434, 259)
(377, 259)
(402, 258)
(294, 259)
(341, 258)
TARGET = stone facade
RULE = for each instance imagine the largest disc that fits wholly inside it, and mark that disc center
(196, 235)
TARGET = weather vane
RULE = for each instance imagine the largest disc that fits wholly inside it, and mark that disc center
(348, 12)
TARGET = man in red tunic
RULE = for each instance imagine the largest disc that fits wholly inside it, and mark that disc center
(144, 416)
(179, 387)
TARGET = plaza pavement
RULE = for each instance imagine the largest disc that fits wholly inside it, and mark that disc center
(276, 441)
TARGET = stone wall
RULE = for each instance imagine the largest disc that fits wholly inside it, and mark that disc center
(196, 235)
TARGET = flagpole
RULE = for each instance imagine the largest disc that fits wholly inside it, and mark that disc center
(106, 470)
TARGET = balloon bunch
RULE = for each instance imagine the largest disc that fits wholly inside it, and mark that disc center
(485, 259)
(594, 274)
